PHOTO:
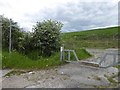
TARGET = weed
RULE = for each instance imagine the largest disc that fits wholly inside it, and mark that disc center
(112, 81)
(14, 72)
(97, 78)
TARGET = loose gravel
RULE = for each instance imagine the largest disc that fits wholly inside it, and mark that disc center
(71, 75)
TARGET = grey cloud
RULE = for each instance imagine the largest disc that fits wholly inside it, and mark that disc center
(81, 16)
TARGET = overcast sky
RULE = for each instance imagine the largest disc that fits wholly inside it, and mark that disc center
(76, 15)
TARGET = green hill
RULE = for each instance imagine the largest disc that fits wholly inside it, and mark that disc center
(97, 38)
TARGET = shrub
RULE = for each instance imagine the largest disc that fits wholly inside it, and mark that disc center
(46, 37)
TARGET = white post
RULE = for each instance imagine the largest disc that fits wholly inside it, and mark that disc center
(61, 53)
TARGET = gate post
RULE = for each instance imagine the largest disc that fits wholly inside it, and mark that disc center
(61, 53)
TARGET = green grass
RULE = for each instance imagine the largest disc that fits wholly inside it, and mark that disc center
(15, 72)
(117, 66)
(19, 61)
(81, 54)
(0, 58)
(98, 38)
(113, 83)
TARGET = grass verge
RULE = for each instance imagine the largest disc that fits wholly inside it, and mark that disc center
(16, 60)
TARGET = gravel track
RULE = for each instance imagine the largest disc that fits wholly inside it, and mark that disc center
(71, 75)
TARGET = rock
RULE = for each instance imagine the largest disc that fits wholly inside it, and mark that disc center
(31, 72)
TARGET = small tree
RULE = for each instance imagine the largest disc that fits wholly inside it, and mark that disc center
(46, 37)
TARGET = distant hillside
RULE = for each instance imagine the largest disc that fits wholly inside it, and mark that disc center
(97, 38)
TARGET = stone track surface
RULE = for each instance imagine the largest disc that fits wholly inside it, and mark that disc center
(71, 75)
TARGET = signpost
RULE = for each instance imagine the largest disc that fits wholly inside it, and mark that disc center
(10, 38)
(10, 35)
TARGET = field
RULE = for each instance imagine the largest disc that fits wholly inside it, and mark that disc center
(98, 38)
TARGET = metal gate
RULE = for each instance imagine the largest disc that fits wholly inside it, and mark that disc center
(115, 60)
(103, 61)
(62, 54)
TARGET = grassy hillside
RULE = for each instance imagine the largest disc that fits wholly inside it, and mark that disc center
(97, 38)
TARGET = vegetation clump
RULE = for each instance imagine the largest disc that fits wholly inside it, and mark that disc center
(40, 48)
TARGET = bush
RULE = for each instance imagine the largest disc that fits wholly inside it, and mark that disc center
(46, 37)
